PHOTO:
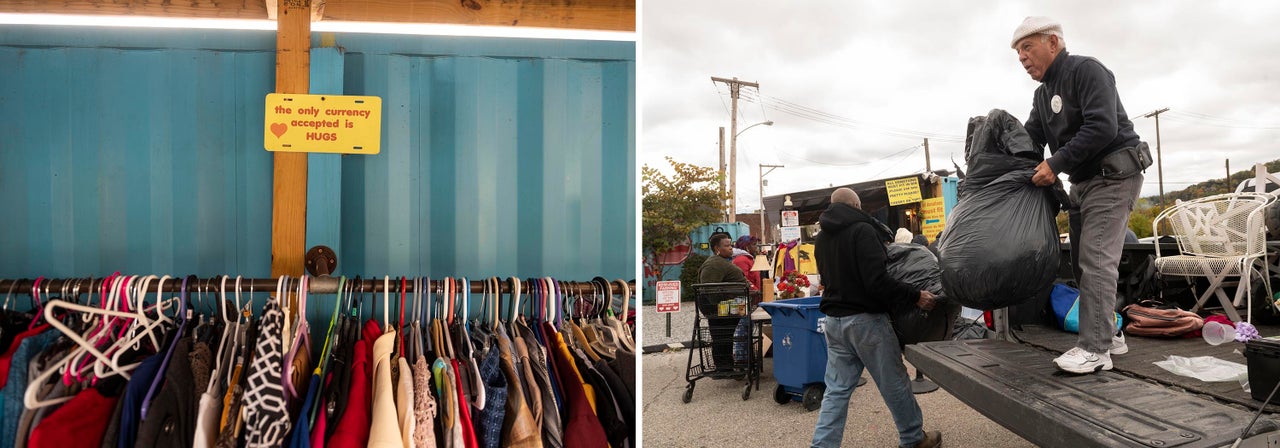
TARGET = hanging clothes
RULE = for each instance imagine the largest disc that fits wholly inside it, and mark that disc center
(265, 416)
(130, 412)
(582, 428)
(489, 421)
(424, 405)
(552, 426)
(79, 423)
(404, 403)
(519, 428)
(24, 347)
(300, 435)
(353, 430)
(384, 432)
(171, 418)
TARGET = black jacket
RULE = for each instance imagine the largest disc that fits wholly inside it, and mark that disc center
(851, 260)
(1090, 122)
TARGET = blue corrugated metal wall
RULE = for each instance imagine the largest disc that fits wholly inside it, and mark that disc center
(500, 157)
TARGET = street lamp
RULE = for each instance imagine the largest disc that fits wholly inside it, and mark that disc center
(733, 168)
(763, 233)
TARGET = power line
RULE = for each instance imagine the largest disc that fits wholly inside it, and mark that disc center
(792, 155)
(722, 103)
(820, 116)
(1208, 120)
(873, 176)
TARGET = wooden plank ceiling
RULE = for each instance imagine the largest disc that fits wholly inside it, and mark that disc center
(603, 15)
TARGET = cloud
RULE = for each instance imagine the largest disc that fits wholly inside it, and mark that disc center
(926, 67)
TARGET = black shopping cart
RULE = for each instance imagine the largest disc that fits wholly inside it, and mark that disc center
(726, 343)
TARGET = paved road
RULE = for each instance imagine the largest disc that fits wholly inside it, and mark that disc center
(718, 417)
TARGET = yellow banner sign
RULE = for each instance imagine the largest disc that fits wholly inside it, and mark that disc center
(903, 191)
(933, 217)
(343, 124)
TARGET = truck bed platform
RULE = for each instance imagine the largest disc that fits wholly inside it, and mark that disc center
(1017, 386)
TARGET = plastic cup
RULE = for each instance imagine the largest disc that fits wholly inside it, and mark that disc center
(1216, 333)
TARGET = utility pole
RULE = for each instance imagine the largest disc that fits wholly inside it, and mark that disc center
(764, 233)
(722, 179)
(928, 166)
(1159, 157)
(734, 84)
(1228, 175)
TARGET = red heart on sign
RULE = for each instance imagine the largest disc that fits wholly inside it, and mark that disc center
(278, 129)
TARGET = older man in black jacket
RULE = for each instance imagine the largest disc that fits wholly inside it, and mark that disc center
(1077, 113)
(857, 294)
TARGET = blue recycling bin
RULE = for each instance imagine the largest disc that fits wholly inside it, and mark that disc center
(799, 350)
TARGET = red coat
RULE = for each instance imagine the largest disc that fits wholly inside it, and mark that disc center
(745, 262)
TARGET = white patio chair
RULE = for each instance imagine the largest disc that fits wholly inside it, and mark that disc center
(1219, 237)
(1264, 182)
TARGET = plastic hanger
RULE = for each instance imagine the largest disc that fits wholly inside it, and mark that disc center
(386, 301)
(142, 328)
(620, 325)
(30, 401)
(92, 339)
(183, 315)
(99, 333)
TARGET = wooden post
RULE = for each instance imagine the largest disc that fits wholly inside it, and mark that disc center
(289, 181)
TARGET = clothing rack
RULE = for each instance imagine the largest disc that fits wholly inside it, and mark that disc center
(317, 285)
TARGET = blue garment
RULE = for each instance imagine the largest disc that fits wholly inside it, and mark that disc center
(855, 342)
(12, 394)
(488, 423)
(134, 393)
(300, 437)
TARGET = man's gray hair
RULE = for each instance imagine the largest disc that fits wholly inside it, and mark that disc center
(847, 196)
(1044, 38)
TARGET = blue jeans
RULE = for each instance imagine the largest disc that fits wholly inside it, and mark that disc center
(865, 341)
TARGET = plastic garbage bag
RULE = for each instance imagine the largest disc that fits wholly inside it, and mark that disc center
(915, 265)
(1205, 368)
(1000, 246)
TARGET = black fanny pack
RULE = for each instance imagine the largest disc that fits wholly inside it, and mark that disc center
(1126, 162)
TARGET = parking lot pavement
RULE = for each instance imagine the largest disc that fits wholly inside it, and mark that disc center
(718, 417)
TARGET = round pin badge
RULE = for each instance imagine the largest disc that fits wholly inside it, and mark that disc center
(1056, 104)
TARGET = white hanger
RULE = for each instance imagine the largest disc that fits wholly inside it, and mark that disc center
(29, 398)
(141, 328)
(102, 330)
(620, 322)
(386, 302)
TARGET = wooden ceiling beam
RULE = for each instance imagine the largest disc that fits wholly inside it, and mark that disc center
(603, 15)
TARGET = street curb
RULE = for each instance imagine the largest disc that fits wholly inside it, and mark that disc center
(659, 348)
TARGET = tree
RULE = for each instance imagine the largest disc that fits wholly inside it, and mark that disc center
(674, 206)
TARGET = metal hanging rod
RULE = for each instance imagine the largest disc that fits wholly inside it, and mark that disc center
(316, 285)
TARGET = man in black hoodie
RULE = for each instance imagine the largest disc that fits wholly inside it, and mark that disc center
(856, 297)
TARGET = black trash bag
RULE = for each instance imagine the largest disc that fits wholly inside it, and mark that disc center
(915, 265)
(1000, 245)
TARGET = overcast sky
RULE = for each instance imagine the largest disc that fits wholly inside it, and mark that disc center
(852, 85)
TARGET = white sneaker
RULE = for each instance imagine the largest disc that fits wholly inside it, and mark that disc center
(1118, 347)
(1077, 360)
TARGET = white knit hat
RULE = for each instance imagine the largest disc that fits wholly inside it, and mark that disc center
(903, 236)
(1036, 25)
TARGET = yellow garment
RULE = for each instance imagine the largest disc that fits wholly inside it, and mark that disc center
(805, 260)
(230, 395)
(384, 429)
(577, 376)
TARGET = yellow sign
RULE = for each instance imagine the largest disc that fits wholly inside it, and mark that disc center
(933, 217)
(903, 191)
(323, 123)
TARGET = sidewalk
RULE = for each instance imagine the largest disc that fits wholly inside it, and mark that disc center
(655, 324)
(718, 417)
